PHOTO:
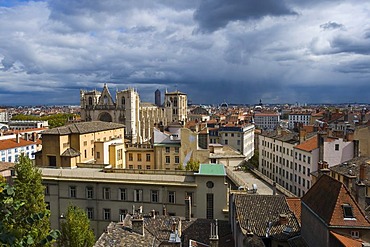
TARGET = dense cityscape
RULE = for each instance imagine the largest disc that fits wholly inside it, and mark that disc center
(155, 172)
(199, 123)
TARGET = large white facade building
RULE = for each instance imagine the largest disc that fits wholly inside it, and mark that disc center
(11, 149)
(296, 117)
(240, 138)
(288, 158)
(266, 121)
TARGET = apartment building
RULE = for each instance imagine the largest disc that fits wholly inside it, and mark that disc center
(110, 194)
(266, 121)
(11, 149)
(290, 158)
(4, 116)
(27, 124)
(295, 118)
(140, 156)
(239, 137)
(86, 142)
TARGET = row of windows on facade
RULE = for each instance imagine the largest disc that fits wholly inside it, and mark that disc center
(291, 187)
(15, 158)
(301, 169)
(122, 194)
(285, 162)
(17, 150)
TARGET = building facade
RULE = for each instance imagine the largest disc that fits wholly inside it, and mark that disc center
(266, 121)
(297, 117)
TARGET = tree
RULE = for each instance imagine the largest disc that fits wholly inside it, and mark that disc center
(12, 232)
(192, 165)
(75, 229)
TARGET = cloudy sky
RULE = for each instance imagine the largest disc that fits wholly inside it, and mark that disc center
(238, 51)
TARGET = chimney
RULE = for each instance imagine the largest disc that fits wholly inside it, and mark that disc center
(302, 135)
(138, 225)
(274, 188)
(320, 143)
(362, 172)
(187, 208)
(34, 136)
(356, 148)
(164, 210)
(17, 138)
(323, 168)
(283, 219)
(152, 213)
(26, 136)
(213, 238)
(359, 188)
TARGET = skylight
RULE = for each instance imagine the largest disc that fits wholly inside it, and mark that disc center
(347, 211)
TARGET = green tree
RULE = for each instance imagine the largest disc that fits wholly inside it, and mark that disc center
(75, 229)
(55, 120)
(192, 165)
(12, 232)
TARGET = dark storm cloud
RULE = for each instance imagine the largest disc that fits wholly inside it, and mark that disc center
(215, 14)
(331, 25)
(343, 44)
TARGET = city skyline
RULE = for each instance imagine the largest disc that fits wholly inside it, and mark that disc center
(238, 52)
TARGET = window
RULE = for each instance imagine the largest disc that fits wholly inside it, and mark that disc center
(148, 157)
(148, 167)
(106, 213)
(90, 213)
(226, 142)
(177, 159)
(98, 155)
(168, 159)
(122, 193)
(106, 193)
(85, 143)
(171, 197)
(122, 214)
(130, 157)
(336, 147)
(138, 157)
(47, 191)
(89, 192)
(139, 167)
(355, 234)
(154, 195)
(238, 142)
(167, 149)
(85, 152)
(138, 195)
(347, 211)
(72, 191)
(210, 202)
(177, 149)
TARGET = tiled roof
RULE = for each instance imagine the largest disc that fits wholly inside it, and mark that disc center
(83, 128)
(70, 152)
(308, 145)
(6, 165)
(347, 241)
(12, 143)
(295, 206)
(157, 233)
(326, 198)
(352, 168)
(254, 212)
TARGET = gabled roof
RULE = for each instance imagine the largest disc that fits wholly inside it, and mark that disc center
(294, 204)
(70, 152)
(326, 199)
(254, 212)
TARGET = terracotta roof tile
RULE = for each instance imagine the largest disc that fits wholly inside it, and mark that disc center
(12, 143)
(308, 145)
(327, 197)
(295, 205)
(347, 241)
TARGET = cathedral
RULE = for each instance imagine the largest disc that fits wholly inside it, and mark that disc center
(126, 108)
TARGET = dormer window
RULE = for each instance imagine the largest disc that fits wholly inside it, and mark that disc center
(348, 212)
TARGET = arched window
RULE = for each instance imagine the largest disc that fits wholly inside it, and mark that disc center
(123, 101)
(105, 100)
(90, 101)
(175, 102)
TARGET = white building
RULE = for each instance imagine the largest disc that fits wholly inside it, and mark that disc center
(11, 149)
(297, 117)
(27, 124)
(240, 137)
(4, 116)
(288, 159)
(266, 121)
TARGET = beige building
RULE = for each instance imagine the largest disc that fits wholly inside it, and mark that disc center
(138, 117)
(140, 156)
(87, 142)
(110, 194)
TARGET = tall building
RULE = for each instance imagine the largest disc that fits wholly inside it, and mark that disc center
(176, 105)
(139, 118)
(157, 98)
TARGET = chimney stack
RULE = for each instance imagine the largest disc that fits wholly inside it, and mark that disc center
(17, 138)
(362, 172)
(138, 225)
(274, 188)
(164, 210)
(213, 239)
